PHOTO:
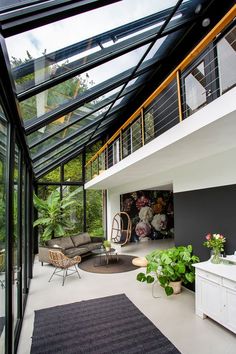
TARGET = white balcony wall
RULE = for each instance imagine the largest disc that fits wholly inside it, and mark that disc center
(198, 153)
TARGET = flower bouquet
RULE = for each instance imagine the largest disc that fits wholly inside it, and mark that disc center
(216, 243)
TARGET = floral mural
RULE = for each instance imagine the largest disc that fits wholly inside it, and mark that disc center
(151, 213)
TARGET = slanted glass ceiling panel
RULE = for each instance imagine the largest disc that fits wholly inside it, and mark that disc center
(58, 147)
(68, 133)
(65, 126)
(47, 162)
(5, 4)
(71, 57)
(73, 117)
(58, 150)
(80, 27)
(50, 99)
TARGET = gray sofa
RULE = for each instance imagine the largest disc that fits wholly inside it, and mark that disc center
(76, 245)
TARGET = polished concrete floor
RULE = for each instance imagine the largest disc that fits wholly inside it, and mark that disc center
(174, 315)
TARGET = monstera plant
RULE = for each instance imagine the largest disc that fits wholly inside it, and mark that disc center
(54, 214)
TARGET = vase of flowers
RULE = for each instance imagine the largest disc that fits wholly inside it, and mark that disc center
(216, 243)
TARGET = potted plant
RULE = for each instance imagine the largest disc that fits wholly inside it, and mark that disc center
(107, 245)
(54, 214)
(170, 266)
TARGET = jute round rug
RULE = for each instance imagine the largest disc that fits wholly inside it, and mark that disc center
(97, 265)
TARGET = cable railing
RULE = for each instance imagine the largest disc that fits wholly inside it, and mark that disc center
(197, 81)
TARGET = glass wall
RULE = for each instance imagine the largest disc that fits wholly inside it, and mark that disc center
(15, 231)
(3, 147)
(86, 213)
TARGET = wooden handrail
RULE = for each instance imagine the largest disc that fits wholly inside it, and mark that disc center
(231, 14)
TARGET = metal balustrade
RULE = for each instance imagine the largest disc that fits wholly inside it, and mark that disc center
(209, 75)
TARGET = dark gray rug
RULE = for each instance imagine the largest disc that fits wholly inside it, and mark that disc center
(107, 325)
(99, 265)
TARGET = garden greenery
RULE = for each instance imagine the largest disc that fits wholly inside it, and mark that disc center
(54, 214)
(170, 265)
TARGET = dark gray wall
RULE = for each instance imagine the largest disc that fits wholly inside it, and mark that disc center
(199, 212)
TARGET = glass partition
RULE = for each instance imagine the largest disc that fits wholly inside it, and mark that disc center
(3, 147)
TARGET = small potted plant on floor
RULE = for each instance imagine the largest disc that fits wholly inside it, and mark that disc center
(107, 245)
(171, 267)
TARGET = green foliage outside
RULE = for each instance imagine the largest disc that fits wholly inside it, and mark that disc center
(54, 214)
(94, 212)
(73, 170)
(170, 265)
(94, 207)
(54, 96)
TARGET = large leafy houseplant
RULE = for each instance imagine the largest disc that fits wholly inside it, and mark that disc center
(54, 214)
(170, 265)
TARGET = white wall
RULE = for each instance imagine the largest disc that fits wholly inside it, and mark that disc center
(207, 132)
(214, 171)
(113, 207)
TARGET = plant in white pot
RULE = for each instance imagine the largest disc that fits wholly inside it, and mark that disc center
(171, 267)
(107, 245)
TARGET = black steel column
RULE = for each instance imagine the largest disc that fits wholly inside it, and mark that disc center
(84, 191)
(26, 233)
(61, 179)
(30, 222)
(9, 237)
(19, 231)
(35, 230)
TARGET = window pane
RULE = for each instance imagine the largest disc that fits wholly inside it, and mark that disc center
(162, 113)
(136, 140)
(126, 142)
(45, 191)
(3, 146)
(53, 176)
(94, 213)
(91, 150)
(76, 211)
(116, 151)
(149, 125)
(64, 92)
(73, 170)
(226, 49)
(195, 89)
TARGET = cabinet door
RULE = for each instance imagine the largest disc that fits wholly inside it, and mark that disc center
(211, 301)
(230, 309)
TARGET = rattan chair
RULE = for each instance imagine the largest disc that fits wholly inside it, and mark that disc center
(63, 264)
(121, 228)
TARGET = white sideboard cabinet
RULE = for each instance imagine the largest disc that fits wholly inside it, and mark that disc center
(215, 295)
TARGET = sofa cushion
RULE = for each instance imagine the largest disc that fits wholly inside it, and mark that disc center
(94, 245)
(63, 242)
(72, 252)
(81, 239)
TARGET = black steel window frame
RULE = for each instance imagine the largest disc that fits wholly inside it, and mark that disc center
(96, 108)
(25, 18)
(106, 54)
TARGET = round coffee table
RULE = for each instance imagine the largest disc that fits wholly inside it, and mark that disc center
(108, 255)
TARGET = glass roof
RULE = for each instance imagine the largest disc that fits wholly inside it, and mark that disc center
(75, 75)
